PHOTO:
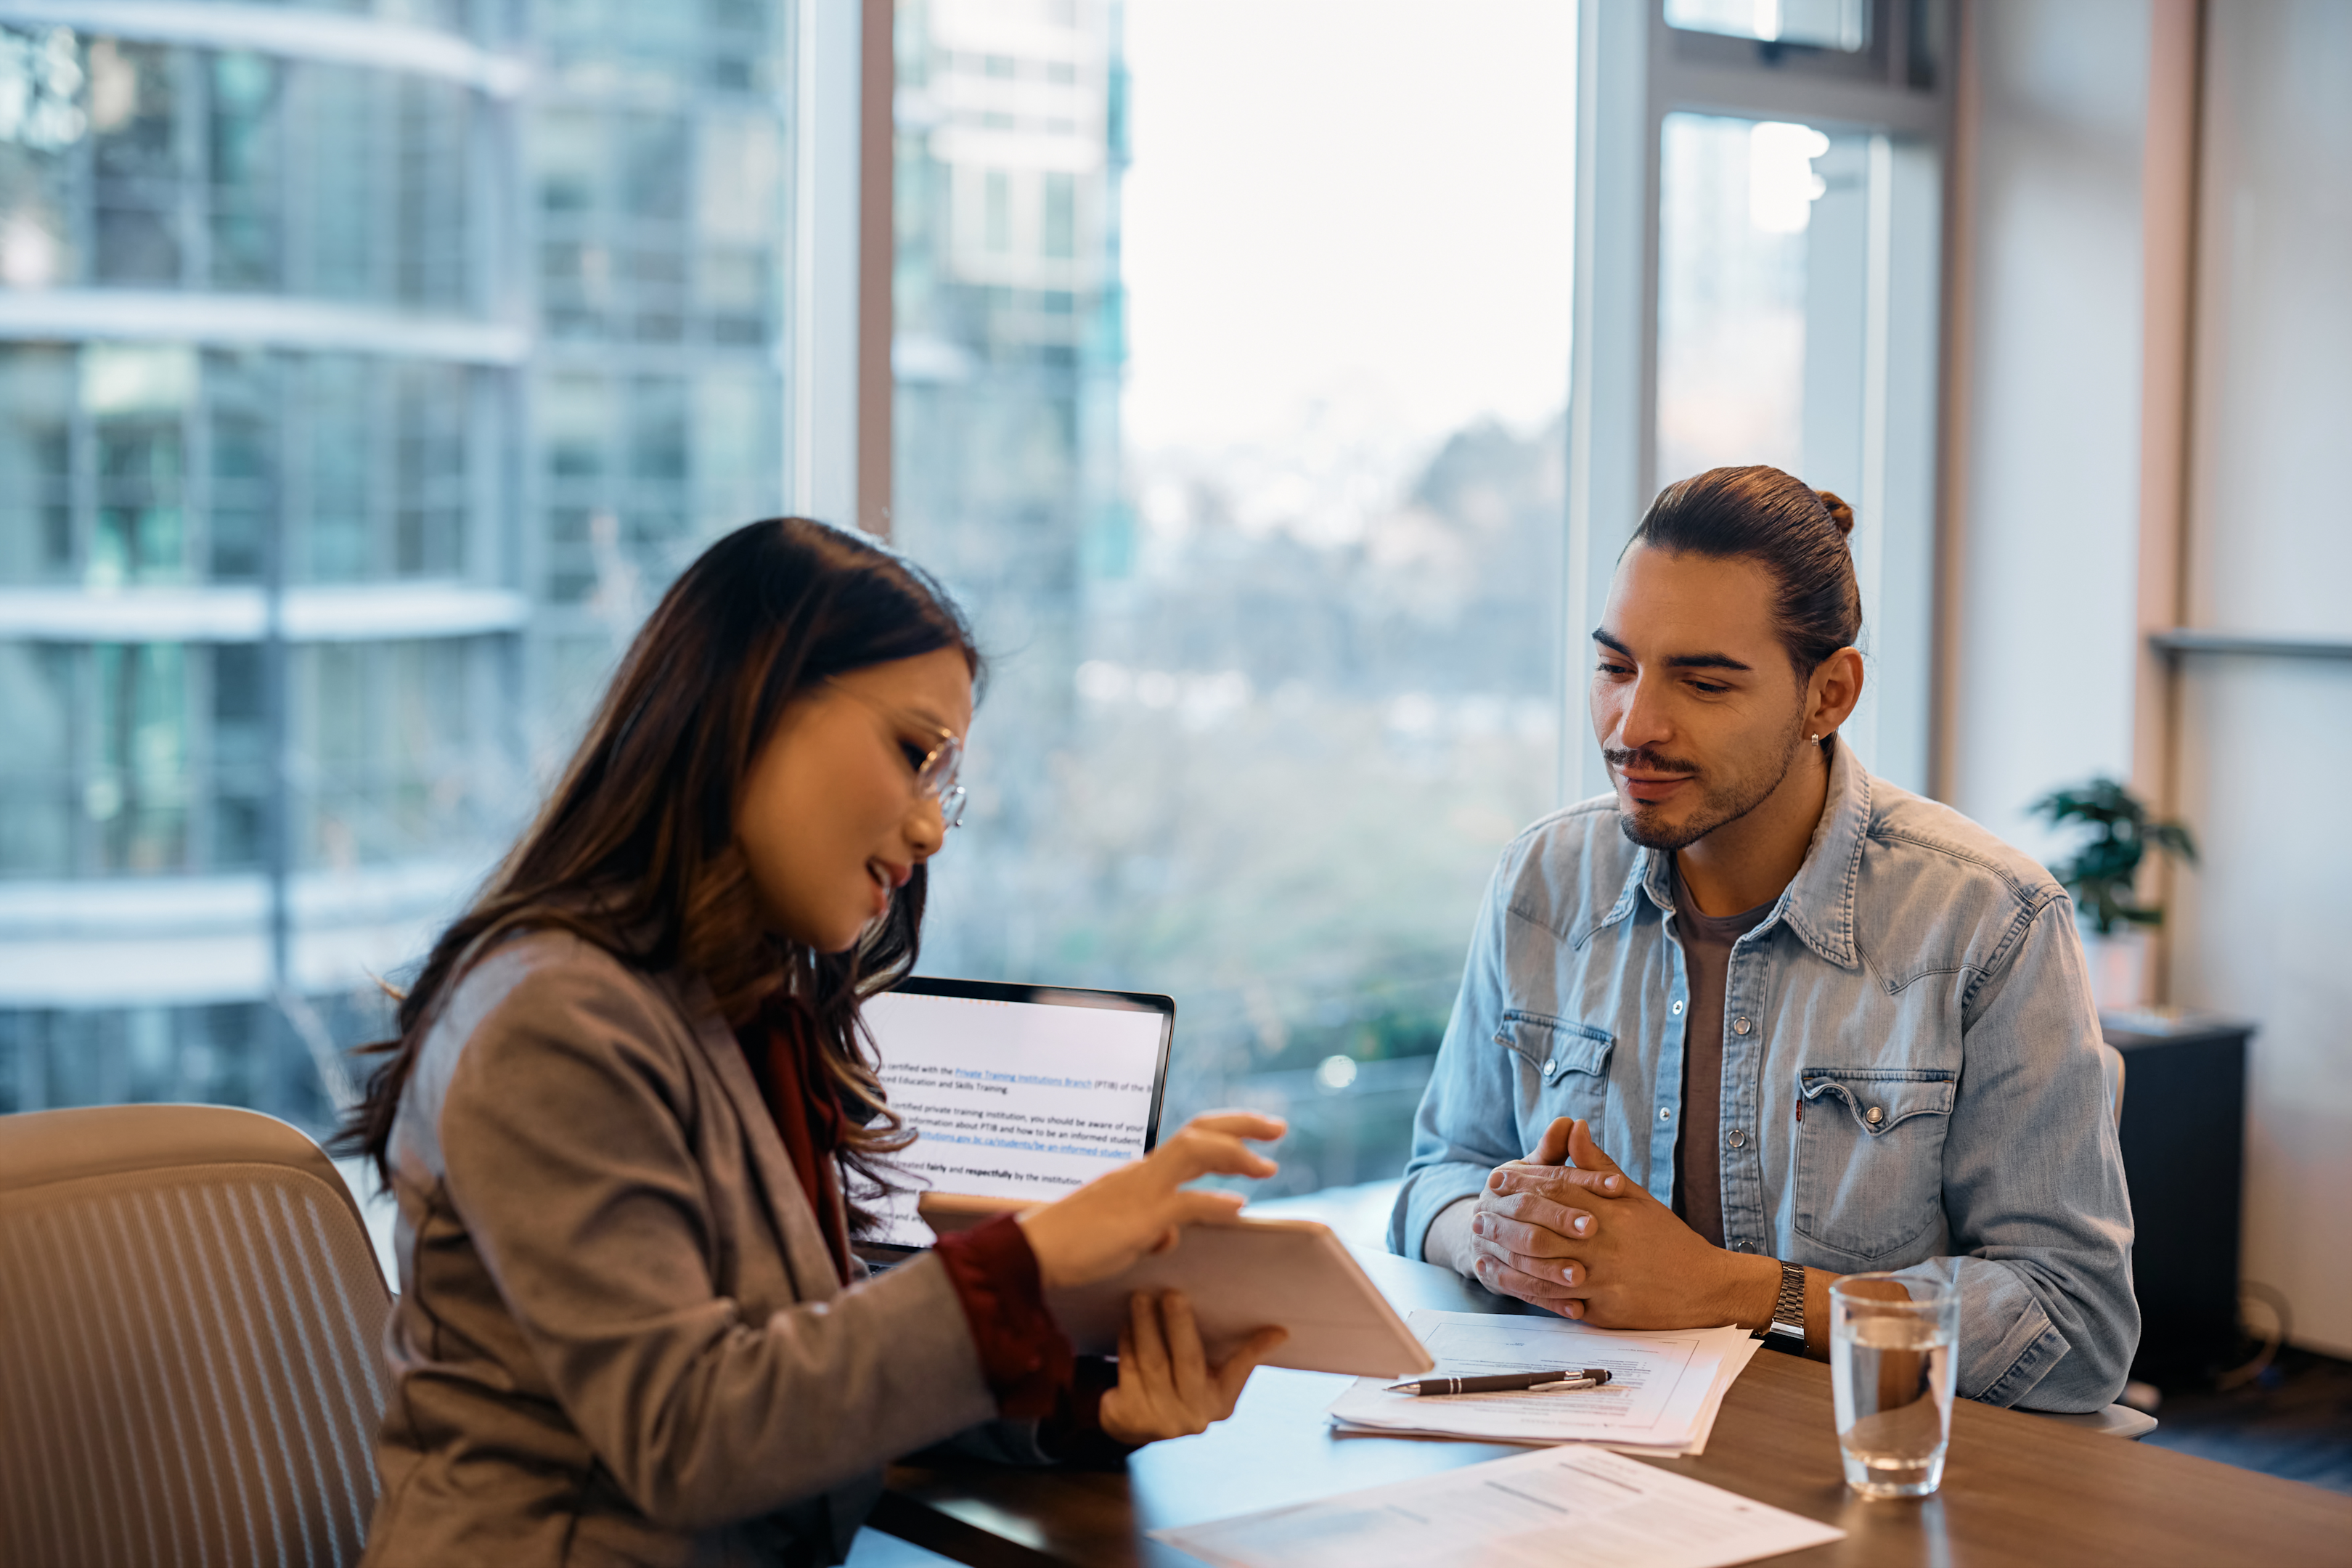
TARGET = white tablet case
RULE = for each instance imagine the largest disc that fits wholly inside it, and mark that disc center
(1241, 1276)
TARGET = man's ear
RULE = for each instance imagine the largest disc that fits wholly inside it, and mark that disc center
(1832, 693)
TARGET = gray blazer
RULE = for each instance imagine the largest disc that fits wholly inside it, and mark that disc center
(619, 1337)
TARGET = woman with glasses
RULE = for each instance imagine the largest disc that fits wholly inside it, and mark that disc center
(632, 1132)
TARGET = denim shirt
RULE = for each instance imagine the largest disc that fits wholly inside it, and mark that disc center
(1911, 1070)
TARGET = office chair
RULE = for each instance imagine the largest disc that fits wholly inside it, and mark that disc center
(191, 1323)
(2115, 1420)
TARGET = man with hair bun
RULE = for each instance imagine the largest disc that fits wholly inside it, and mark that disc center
(1755, 1018)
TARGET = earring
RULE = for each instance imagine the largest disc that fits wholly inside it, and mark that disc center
(1816, 739)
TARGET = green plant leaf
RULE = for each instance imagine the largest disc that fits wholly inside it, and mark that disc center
(2104, 867)
(2173, 837)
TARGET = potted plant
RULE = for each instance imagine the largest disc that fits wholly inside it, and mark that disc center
(2101, 875)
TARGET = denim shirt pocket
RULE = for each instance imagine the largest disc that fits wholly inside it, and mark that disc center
(1563, 1068)
(1869, 1155)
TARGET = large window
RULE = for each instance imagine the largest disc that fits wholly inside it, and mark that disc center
(355, 404)
(1796, 320)
(1229, 399)
(363, 376)
(657, 179)
(1758, 193)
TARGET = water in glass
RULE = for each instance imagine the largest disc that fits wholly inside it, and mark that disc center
(1891, 1371)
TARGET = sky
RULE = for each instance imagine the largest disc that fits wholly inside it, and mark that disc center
(1359, 203)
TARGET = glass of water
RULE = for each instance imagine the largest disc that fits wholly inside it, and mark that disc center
(1893, 1340)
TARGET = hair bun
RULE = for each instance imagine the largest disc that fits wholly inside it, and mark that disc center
(1841, 515)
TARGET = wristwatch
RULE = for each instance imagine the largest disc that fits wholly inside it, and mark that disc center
(1787, 1330)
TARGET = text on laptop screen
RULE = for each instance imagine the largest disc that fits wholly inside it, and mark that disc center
(1013, 1099)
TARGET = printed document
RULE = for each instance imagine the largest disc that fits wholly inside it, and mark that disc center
(1661, 1395)
(1578, 1505)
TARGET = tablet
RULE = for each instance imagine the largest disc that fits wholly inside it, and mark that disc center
(1240, 1274)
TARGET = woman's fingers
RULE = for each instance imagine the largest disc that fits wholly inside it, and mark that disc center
(1186, 1360)
(1190, 1207)
(1139, 1208)
(1127, 1413)
(1166, 1387)
(1199, 1151)
(1234, 1370)
(1147, 1346)
(1241, 1125)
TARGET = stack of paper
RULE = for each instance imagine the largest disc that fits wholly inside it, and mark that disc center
(1530, 1510)
(1661, 1395)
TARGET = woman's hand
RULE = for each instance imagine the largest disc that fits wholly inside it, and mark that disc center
(1166, 1386)
(1137, 1209)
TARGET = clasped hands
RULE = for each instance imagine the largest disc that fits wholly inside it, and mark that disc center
(1566, 1230)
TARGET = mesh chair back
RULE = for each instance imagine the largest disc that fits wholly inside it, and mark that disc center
(191, 1323)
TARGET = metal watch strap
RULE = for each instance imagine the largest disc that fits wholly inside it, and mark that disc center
(1789, 1308)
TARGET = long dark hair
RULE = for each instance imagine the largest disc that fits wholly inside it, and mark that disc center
(1798, 532)
(634, 851)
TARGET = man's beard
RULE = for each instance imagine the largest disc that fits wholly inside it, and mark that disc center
(1717, 805)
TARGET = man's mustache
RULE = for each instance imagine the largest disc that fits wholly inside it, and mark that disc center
(1648, 761)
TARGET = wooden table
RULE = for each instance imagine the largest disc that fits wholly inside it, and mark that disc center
(2018, 1488)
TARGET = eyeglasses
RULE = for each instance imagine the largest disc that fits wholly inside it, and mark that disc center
(935, 775)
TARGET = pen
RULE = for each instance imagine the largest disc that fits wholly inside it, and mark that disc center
(1507, 1382)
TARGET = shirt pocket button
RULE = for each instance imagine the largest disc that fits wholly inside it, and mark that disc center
(1551, 1070)
(1875, 1115)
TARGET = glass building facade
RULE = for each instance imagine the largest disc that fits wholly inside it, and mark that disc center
(659, 172)
(1007, 357)
(364, 369)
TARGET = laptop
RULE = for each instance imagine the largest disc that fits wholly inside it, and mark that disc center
(1021, 1092)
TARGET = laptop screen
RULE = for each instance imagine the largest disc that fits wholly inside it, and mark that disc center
(1014, 1092)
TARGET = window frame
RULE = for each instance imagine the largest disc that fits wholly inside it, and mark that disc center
(1633, 71)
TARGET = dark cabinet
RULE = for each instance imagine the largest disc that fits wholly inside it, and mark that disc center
(2184, 1128)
